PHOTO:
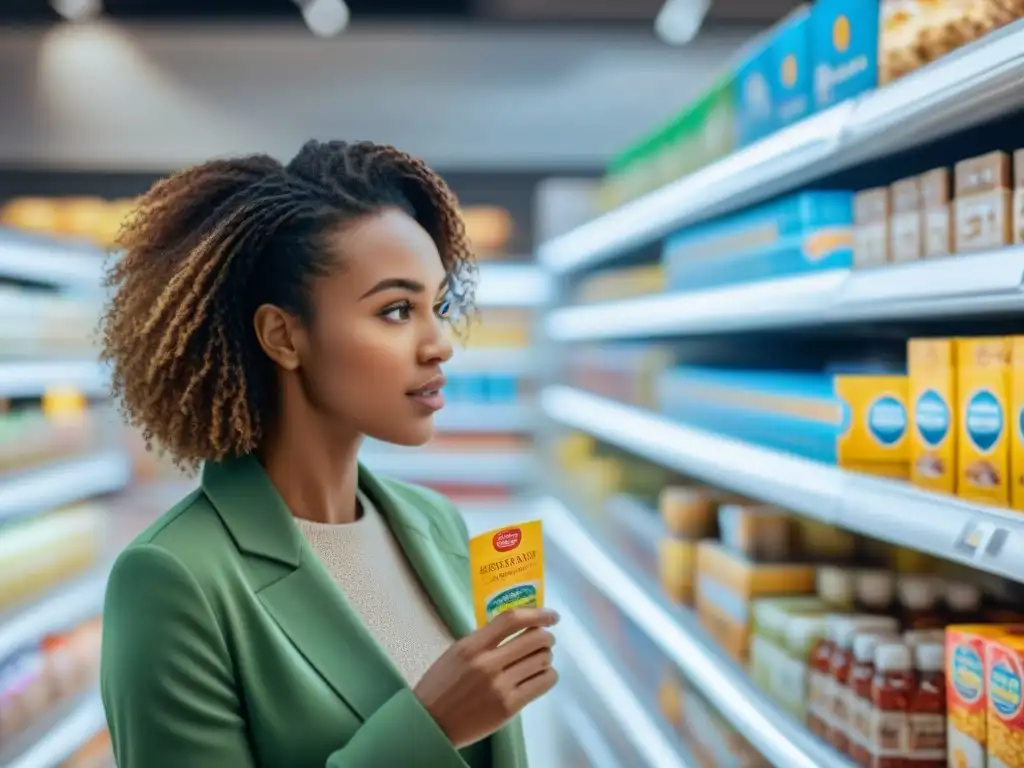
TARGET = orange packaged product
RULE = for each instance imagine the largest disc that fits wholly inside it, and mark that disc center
(1004, 660)
(966, 699)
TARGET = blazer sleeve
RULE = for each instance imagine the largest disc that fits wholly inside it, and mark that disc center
(170, 693)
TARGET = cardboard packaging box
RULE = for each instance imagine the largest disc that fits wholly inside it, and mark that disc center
(931, 368)
(983, 393)
(984, 206)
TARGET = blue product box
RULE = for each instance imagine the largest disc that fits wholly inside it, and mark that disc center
(502, 389)
(807, 232)
(752, 94)
(853, 421)
(792, 69)
(844, 43)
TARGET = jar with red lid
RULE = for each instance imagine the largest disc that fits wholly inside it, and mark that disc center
(926, 715)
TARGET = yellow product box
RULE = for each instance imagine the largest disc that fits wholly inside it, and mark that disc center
(983, 387)
(931, 369)
(677, 561)
(892, 471)
(875, 415)
(507, 570)
(1004, 699)
(1017, 423)
(966, 698)
(728, 582)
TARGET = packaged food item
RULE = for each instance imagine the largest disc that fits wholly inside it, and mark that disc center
(920, 601)
(793, 84)
(837, 586)
(905, 236)
(917, 32)
(926, 718)
(727, 584)
(822, 542)
(677, 560)
(688, 512)
(872, 212)
(844, 44)
(819, 676)
(984, 208)
(753, 114)
(1018, 196)
(875, 591)
(891, 692)
(966, 692)
(862, 675)
(841, 665)
(1004, 662)
(507, 567)
(963, 601)
(983, 373)
(934, 414)
(875, 434)
(806, 232)
(1016, 479)
(801, 636)
(936, 221)
(761, 532)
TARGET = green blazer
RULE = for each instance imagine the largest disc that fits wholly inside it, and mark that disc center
(226, 644)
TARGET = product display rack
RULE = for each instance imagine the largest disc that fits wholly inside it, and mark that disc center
(72, 271)
(961, 91)
(964, 88)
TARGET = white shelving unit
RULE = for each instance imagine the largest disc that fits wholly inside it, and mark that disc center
(968, 87)
(58, 736)
(959, 285)
(32, 378)
(986, 538)
(419, 465)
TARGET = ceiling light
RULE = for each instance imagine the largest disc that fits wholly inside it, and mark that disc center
(77, 10)
(325, 18)
(679, 21)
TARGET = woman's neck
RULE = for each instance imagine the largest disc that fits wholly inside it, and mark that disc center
(315, 472)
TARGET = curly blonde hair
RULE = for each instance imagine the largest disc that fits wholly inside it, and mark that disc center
(208, 245)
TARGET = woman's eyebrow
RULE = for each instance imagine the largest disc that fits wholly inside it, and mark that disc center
(395, 282)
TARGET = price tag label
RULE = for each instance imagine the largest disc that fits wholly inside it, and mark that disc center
(981, 538)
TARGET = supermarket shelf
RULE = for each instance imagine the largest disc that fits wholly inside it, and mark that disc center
(676, 632)
(20, 378)
(963, 89)
(513, 285)
(983, 537)
(953, 287)
(38, 490)
(58, 736)
(37, 260)
(585, 733)
(68, 605)
(486, 417)
(478, 468)
(610, 691)
(510, 361)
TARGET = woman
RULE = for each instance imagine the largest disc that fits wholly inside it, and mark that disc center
(296, 610)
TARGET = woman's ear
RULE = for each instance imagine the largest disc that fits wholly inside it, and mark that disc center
(279, 334)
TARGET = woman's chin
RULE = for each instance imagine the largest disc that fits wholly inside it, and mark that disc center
(411, 435)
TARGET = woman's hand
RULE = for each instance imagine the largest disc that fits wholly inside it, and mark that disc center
(482, 682)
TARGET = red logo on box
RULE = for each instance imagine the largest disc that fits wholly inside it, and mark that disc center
(510, 538)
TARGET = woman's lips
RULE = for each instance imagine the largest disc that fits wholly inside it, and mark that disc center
(433, 400)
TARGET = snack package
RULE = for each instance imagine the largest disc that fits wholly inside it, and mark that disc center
(507, 570)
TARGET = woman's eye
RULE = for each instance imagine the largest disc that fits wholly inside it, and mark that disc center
(399, 313)
(443, 308)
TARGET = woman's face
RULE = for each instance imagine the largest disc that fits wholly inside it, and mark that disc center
(372, 359)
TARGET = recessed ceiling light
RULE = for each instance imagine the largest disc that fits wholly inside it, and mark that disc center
(325, 18)
(77, 10)
(679, 21)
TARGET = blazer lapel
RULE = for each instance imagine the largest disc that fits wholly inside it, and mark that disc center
(299, 592)
(436, 568)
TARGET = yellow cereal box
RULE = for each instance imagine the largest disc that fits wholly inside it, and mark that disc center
(933, 413)
(983, 383)
(507, 570)
(876, 424)
(1017, 423)
(966, 700)
(1004, 663)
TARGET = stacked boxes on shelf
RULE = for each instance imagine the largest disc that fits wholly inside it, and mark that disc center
(818, 56)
